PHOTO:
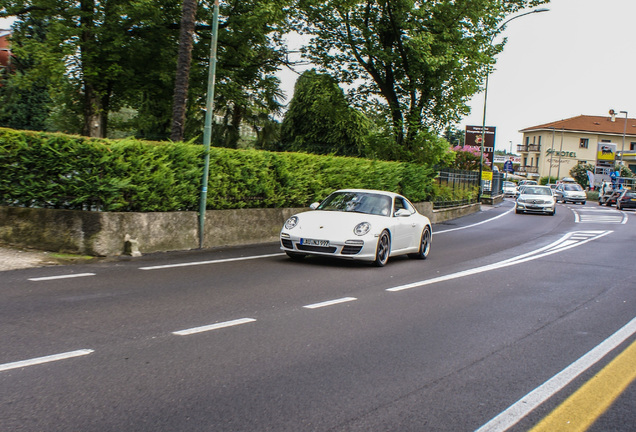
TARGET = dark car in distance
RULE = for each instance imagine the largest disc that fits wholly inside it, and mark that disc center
(627, 199)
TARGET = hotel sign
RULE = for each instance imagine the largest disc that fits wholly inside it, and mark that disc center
(561, 153)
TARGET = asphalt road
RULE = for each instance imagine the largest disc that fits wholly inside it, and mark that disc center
(508, 318)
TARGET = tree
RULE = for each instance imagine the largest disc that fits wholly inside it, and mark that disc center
(251, 49)
(423, 59)
(92, 49)
(186, 33)
(579, 173)
(25, 102)
(319, 119)
(116, 56)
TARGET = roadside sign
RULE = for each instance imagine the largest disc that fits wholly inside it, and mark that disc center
(473, 137)
(507, 166)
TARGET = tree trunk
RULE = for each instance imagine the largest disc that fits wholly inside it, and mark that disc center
(93, 110)
(184, 59)
(94, 125)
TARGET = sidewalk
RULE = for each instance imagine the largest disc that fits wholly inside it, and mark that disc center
(13, 259)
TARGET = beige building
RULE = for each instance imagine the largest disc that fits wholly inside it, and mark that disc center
(554, 148)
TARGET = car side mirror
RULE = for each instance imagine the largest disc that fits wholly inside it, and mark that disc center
(402, 213)
(314, 206)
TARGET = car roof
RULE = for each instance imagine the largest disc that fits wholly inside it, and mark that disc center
(391, 194)
(534, 187)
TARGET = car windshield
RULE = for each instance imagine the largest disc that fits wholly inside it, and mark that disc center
(509, 184)
(359, 202)
(530, 190)
(572, 187)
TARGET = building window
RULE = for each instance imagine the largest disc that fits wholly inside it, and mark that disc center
(539, 140)
(632, 146)
(528, 140)
(584, 143)
(606, 141)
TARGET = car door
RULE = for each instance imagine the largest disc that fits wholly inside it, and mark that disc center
(405, 229)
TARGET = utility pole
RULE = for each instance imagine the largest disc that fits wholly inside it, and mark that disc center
(207, 130)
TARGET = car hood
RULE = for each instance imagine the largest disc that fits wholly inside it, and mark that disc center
(328, 224)
(535, 197)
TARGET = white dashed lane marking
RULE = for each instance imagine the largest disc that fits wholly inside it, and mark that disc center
(211, 327)
(45, 359)
(330, 302)
(66, 276)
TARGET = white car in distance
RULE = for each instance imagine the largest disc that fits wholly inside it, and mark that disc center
(358, 224)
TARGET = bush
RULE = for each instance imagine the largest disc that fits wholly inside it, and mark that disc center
(52, 170)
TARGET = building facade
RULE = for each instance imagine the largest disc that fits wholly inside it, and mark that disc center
(5, 53)
(554, 148)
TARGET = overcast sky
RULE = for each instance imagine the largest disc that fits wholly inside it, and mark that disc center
(577, 58)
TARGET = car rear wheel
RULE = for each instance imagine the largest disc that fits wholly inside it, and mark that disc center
(425, 245)
(383, 249)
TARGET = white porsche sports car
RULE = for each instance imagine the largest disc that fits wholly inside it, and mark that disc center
(358, 224)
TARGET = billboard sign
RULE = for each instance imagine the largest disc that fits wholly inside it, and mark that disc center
(473, 138)
(606, 152)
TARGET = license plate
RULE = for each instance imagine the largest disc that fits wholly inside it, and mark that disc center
(312, 242)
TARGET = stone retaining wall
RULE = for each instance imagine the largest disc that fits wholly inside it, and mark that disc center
(106, 233)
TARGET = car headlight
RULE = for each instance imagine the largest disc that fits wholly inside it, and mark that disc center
(291, 222)
(362, 228)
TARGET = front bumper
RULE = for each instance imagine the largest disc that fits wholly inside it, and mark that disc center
(532, 207)
(360, 248)
(574, 199)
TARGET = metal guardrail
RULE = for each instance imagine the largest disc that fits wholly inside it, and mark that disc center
(455, 180)
(450, 204)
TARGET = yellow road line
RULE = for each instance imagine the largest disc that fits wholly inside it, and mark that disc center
(578, 412)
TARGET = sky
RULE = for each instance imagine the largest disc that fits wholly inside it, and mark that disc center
(575, 59)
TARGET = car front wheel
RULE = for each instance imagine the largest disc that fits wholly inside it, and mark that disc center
(383, 249)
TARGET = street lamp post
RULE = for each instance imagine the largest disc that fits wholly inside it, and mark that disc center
(624, 133)
(551, 158)
(560, 153)
(483, 122)
(207, 129)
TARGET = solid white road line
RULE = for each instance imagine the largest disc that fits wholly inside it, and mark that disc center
(67, 276)
(213, 326)
(532, 400)
(560, 245)
(46, 359)
(195, 263)
(330, 302)
(475, 224)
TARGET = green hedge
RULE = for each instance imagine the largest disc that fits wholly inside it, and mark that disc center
(53, 170)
